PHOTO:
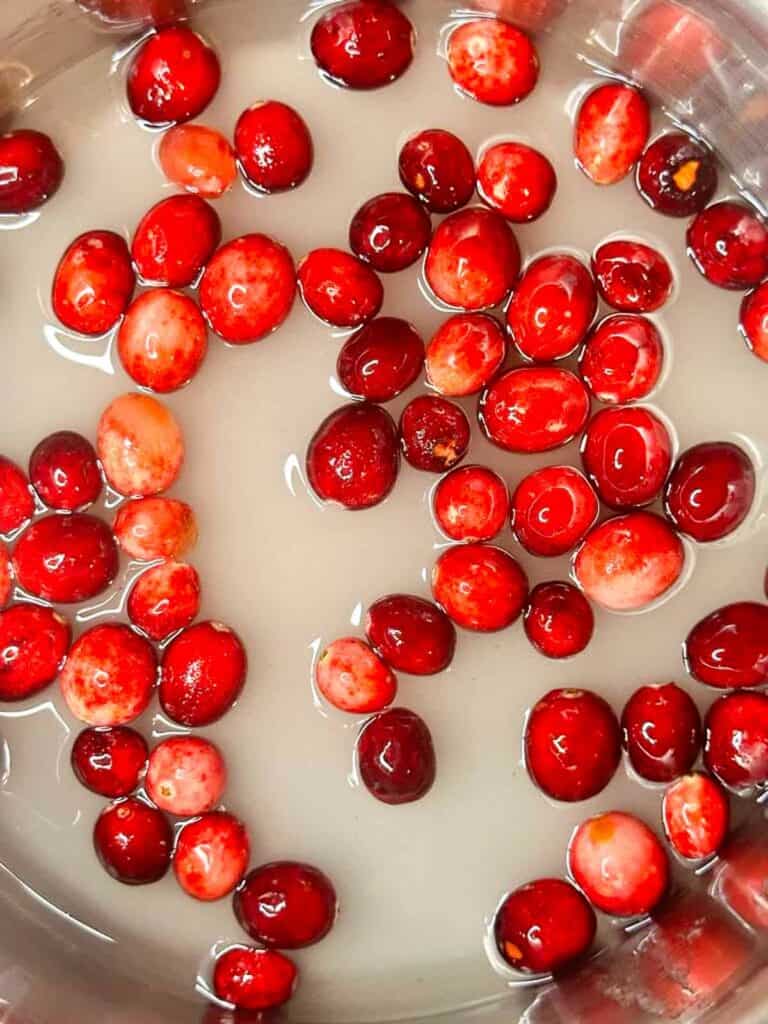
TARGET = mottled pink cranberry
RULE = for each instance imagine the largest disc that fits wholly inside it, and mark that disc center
(173, 76)
(736, 740)
(479, 586)
(622, 359)
(254, 979)
(164, 599)
(93, 283)
(464, 354)
(411, 634)
(273, 146)
(437, 168)
(149, 528)
(677, 175)
(381, 360)
(33, 645)
(133, 841)
(753, 321)
(6, 576)
(662, 732)
(516, 180)
(198, 159)
(695, 812)
(175, 240)
(65, 472)
(286, 904)
(362, 44)
(534, 408)
(202, 673)
(632, 277)
(352, 677)
(612, 128)
(339, 288)
(211, 855)
(186, 775)
(434, 433)
(66, 559)
(729, 647)
(471, 503)
(627, 454)
(492, 61)
(710, 491)
(162, 340)
(395, 756)
(390, 231)
(552, 510)
(558, 621)
(31, 171)
(140, 445)
(109, 761)
(16, 502)
(729, 245)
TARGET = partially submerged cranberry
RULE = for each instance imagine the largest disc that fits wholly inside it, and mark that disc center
(492, 61)
(93, 283)
(254, 979)
(390, 231)
(558, 621)
(695, 813)
(273, 146)
(133, 841)
(173, 76)
(471, 503)
(437, 168)
(622, 359)
(31, 171)
(186, 775)
(710, 491)
(552, 307)
(164, 599)
(140, 445)
(396, 757)
(753, 321)
(64, 471)
(174, 241)
(552, 510)
(411, 634)
(339, 288)
(736, 740)
(612, 128)
(150, 528)
(202, 673)
(352, 677)
(632, 276)
(362, 44)
(534, 408)
(464, 354)
(741, 880)
(33, 645)
(16, 502)
(109, 761)
(434, 433)
(162, 340)
(211, 855)
(677, 175)
(286, 904)
(381, 359)
(479, 586)
(729, 647)
(728, 242)
(198, 159)
(516, 180)
(662, 732)
(66, 559)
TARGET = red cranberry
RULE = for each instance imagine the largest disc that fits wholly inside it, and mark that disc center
(552, 510)
(109, 761)
(353, 457)
(174, 241)
(93, 283)
(390, 231)
(197, 159)
(66, 559)
(16, 502)
(612, 128)
(632, 277)
(248, 289)
(558, 620)
(274, 146)
(286, 904)
(434, 433)
(150, 528)
(473, 260)
(572, 744)
(186, 775)
(65, 472)
(362, 44)
(479, 586)
(254, 979)
(202, 673)
(464, 354)
(753, 321)
(534, 408)
(31, 171)
(471, 503)
(163, 340)
(339, 288)
(492, 61)
(551, 308)
(33, 645)
(622, 359)
(544, 925)
(133, 841)
(164, 599)
(516, 180)
(710, 491)
(411, 634)
(396, 757)
(140, 445)
(6, 576)
(353, 678)
(736, 740)
(662, 732)
(211, 855)
(695, 813)
(619, 864)
(173, 76)
(741, 881)
(729, 245)
(677, 175)
(382, 359)
(729, 647)
(437, 168)
(627, 454)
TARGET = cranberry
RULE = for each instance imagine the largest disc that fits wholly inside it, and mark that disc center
(695, 813)
(627, 454)
(662, 732)
(202, 673)
(612, 128)
(66, 559)
(710, 491)
(558, 620)
(133, 841)
(186, 775)
(473, 260)
(6, 576)
(464, 354)
(736, 740)
(729, 647)
(411, 634)
(544, 925)
(33, 645)
(286, 904)
(175, 240)
(248, 289)
(437, 168)
(211, 855)
(164, 599)
(65, 472)
(632, 277)
(552, 307)
(622, 359)
(492, 61)
(93, 283)
(741, 881)
(150, 528)
(390, 231)
(31, 171)
(471, 503)
(572, 744)
(516, 180)
(534, 409)
(434, 433)
(729, 245)
(273, 146)
(382, 359)
(677, 175)
(197, 159)
(552, 510)
(396, 757)
(173, 76)
(353, 678)
(140, 445)
(163, 340)
(16, 502)
(479, 586)
(362, 44)
(353, 457)
(753, 321)
(254, 979)
(339, 288)
(109, 761)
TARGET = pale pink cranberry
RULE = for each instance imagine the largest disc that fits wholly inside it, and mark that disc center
(464, 354)
(66, 559)
(736, 741)
(93, 283)
(411, 635)
(492, 61)
(286, 905)
(339, 288)
(381, 360)
(729, 245)
(164, 599)
(33, 645)
(174, 241)
(471, 503)
(753, 321)
(186, 775)
(612, 128)
(559, 620)
(396, 756)
(434, 433)
(173, 76)
(198, 159)
(390, 232)
(149, 528)
(211, 855)
(479, 586)
(729, 647)
(273, 146)
(64, 471)
(31, 171)
(109, 761)
(202, 673)
(254, 979)
(695, 812)
(362, 44)
(352, 677)
(6, 576)
(710, 490)
(140, 445)
(437, 168)
(162, 340)
(533, 408)
(662, 732)
(16, 502)
(552, 510)
(516, 180)
(632, 277)
(133, 841)
(622, 359)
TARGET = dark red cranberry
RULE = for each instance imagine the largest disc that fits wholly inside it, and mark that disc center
(339, 288)
(662, 732)
(93, 283)
(516, 180)
(612, 128)
(66, 559)
(33, 645)
(729, 244)
(362, 44)
(133, 841)
(632, 277)
(31, 171)
(411, 634)
(16, 502)
(174, 241)
(558, 620)
(395, 756)
(65, 472)
(753, 321)
(110, 761)
(173, 76)
(534, 408)
(627, 454)
(736, 740)
(479, 586)
(471, 503)
(434, 433)
(254, 979)
(437, 168)
(622, 359)
(729, 647)
(492, 61)
(353, 457)
(464, 354)
(711, 490)
(552, 510)
(382, 359)
(572, 744)
(202, 673)
(273, 145)
(390, 231)
(286, 905)
(695, 812)
(677, 175)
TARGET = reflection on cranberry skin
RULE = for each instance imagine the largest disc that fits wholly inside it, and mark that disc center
(710, 491)
(363, 44)
(534, 409)
(396, 758)
(622, 359)
(559, 620)
(612, 127)
(551, 308)
(728, 243)
(662, 732)
(729, 647)
(552, 509)
(437, 168)
(695, 812)
(736, 740)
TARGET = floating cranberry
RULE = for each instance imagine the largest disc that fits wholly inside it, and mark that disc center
(164, 599)
(381, 360)
(729, 245)
(339, 288)
(33, 645)
(65, 472)
(109, 761)
(753, 321)
(286, 904)
(627, 454)
(6, 576)
(437, 168)
(173, 76)
(473, 260)
(544, 926)
(396, 757)
(31, 171)
(632, 277)
(273, 146)
(552, 510)
(695, 813)
(16, 502)
(612, 128)
(363, 44)
(471, 503)
(211, 855)
(202, 673)
(197, 159)
(174, 241)
(736, 740)
(390, 231)
(479, 586)
(662, 732)
(741, 880)
(434, 433)
(710, 491)
(534, 408)
(353, 678)
(516, 180)
(133, 841)
(150, 528)
(677, 175)
(93, 283)
(729, 647)
(66, 559)
(492, 61)
(353, 457)
(186, 775)
(622, 359)
(140, 445)
(558, 620)
(411, 634)
(254, 979)
(162, 340)
(464, 354)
